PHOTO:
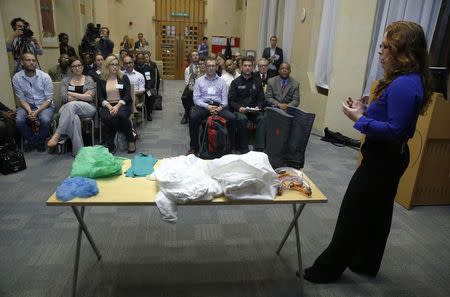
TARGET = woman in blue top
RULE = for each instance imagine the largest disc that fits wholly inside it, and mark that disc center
(365, 215)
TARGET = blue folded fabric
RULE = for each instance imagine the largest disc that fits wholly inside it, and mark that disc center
(78, 186)
(141, 165)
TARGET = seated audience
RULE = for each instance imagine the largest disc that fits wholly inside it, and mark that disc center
(283, 90)
(88, 63)
(97, 70)
(144, 46)
(147, 56)
(126, 43)
(7, 124)
(122, 54)
(188, 93)
(262, 72)
(64, 47)
(114, 94)
(136, 79)
(210, 98)
(22, 41)
(139, 43)
(151, 76)
(230, 72)
(78, 101)
(221, 64)
(193, 66)
(247, 91)
(34, 89)
(58, 72)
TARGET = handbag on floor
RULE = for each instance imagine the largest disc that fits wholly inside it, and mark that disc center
(11, 159)
(158, 103)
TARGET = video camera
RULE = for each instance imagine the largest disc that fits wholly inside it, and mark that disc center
(27, 33)
(93, 31)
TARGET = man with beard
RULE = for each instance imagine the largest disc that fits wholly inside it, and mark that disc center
(34, 89)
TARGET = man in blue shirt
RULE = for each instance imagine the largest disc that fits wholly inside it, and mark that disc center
(210, 98)
(34, 89)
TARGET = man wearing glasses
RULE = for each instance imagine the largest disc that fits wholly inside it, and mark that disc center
(34, 89)
(262, 72)
(210, 98)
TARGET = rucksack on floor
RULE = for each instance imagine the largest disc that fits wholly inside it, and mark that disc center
(214, 138)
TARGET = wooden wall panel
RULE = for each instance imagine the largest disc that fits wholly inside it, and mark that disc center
(173, 46)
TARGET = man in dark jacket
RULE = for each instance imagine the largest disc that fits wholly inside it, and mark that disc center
(274, 55)
(151, 75)
(246, 99)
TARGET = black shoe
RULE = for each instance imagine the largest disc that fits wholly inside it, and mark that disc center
(185, 119)
(40, 147)
(149, 117)
(112, 148)
(314, 275)
(192, 151)
(28, 147)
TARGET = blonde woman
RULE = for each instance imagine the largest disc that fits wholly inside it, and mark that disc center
(77, 96)
(114, 96)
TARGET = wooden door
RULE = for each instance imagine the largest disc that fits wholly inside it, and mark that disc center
(179, 30)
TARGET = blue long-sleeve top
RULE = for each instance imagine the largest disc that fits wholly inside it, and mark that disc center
(394, 115)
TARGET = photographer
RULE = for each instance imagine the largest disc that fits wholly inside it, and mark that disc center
(21, 41)
(89, 41)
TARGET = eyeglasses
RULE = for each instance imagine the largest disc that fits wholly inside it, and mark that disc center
(384, 45)
(127, 63)
(77, 66)
(262, 65)
(211, 66)
(115, 65)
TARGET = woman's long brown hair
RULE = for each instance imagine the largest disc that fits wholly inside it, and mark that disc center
(408, 49)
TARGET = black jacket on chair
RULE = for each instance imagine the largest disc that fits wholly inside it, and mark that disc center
(125, 92)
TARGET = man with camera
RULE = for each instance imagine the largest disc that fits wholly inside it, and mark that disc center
(21, 41)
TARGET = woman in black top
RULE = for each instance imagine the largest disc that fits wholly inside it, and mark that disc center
(114, 96)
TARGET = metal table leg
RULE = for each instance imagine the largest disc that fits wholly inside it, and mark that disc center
(81, 228)
(293, 222)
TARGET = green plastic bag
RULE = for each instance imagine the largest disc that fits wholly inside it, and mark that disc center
(96, 161)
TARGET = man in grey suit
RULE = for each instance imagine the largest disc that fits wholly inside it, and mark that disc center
(282, 90)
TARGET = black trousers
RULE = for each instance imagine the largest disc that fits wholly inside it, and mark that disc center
(365, 215)
(7, 131)
(121, 122)
(149, 103)
(199, 114)
(187, 99)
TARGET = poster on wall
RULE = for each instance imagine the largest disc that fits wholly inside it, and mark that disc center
(219, 43)
(46, 15)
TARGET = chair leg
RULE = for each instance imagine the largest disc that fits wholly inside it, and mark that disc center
(92, 131)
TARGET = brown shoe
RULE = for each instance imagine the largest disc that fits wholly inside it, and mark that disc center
(131, 147)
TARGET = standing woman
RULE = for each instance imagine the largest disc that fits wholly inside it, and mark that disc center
(114, 95)
(389, 121)
(77, 96)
